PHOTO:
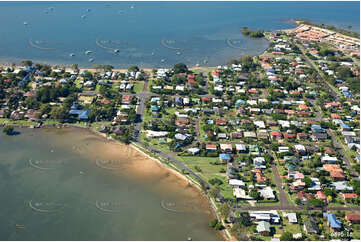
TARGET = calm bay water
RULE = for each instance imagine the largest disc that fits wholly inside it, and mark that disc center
(58, 185)
(192, 32)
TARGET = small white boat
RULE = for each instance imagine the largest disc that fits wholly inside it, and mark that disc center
(72, 54)
(178, 53)
(132, 7)
(88, 10)
(87, 52)
(91, 59)
(25, 23)
(152, 53)
(116, 51)
(162, 60)
(83, 16)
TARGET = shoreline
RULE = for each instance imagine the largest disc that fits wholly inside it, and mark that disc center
(173, 170)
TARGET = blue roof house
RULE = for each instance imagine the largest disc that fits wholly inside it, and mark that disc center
(347, 94)
(224, 157)
(333, 222)
(344, 126)
(178, 101)
(317, 129)
(82, 114)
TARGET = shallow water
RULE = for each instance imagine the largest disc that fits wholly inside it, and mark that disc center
(69, 184)
(197, 31)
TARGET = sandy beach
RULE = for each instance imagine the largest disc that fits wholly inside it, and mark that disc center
(140, 165)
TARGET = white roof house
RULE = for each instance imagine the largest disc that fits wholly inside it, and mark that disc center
(283, 149)
(292, 217)
(241, 147)
(329, 159)
(259, 124)
(240, 193)
(156, 134)
(300, 148)
(236, 182)
(267, 193)
(193, 150)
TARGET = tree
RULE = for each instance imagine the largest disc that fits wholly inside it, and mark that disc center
(239, 231)
(307, 181)
(27, 63)
(213, 192)
(8, 130)
(45, 108)
(213, 222)
(58, 113)
(215, 181)
(286, 236)
(133, 68)
(75, 67)
(180, 68)
(254, 194)
(343, 72)
(225, 210)
(317, 202)
(108, 67)
(244, 219)
(97, 66)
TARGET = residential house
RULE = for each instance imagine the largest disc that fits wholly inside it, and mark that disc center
(211, 147)
(292, 218)
(270, 216)
(346, 196)
(297, 185)
(341, 186)
(333, 222)
(241, 148)
(224, 158)
(226, 148)
(236, 183)
(193, 151)
(264, 228)
(267, 193)
(353, 218)
(311, 226)
(320, 195)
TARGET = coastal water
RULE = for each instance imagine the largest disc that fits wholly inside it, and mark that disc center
(151, 34)
(69, 184)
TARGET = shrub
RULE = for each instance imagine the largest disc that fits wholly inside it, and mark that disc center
(8, 129)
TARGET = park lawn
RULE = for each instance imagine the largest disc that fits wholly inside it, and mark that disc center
(51, 122)
(356, 231)
(346, 150)
(138, 86)
(150, 82)
(17, 122)
(96, 125)
(226, 190)
(286, 226)
(203, 163)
